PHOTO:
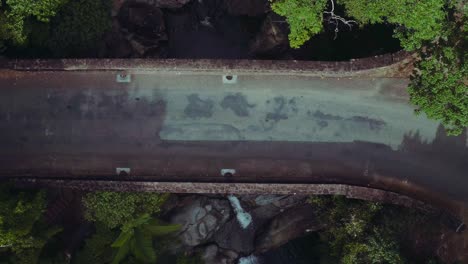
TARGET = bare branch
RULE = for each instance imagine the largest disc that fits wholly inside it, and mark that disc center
(335, 19)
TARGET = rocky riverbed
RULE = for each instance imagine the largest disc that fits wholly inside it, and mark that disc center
(227, 29)
(276, 229)
(231, 229)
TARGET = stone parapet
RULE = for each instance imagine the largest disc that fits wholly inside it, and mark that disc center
(392, 64)
(350, 191)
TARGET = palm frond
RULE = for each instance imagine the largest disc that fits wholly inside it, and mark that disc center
(161, 230)
(144, 250)
(123, 251)
(123, 238)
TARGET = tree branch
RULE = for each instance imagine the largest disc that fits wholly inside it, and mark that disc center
(335, 19)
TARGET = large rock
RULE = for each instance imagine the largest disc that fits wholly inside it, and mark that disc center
(289, 225)
(200, 218)
(266, 207)
(232, 236)
(117, 46)
(212, 254)
(262, 208)
(272, 38)
(143, 25)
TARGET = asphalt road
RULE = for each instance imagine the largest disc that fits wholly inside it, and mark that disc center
(183, 126)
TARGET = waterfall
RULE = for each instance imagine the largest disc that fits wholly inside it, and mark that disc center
(244, 218)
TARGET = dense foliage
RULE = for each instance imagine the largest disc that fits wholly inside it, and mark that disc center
(303, 16)
(115, 209)
(439, 84)
(131, 214)
(352, 237)
(416, 21)
(78, 28)
(97, 248)
(22, 231)
(16, 14)
(136, 239)
(369, 232)
(61, 28)
(439, 89)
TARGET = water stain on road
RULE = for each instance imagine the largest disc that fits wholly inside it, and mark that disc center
(279, 112)
(324, 118)
(374, 124)
(238, 104)
(198, 108)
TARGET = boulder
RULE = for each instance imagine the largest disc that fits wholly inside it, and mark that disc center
(143, 26)
(232, 236)
(262, 208)
(267, 207)
(288, 225)
(212, 254)
(117, 46)
(272, 39)
(200, 218)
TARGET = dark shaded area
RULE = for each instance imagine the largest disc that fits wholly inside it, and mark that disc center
(209, 29)
(303, 250)
(367, 41)
(204, 29)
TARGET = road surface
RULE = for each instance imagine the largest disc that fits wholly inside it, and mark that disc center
(188, 126)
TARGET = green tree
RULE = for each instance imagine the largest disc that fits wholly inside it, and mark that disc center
(22, 232)
(79, 27)
(303, 16)
(14, 16)
(376, 249)
(353, 237)
(136, 239)
(439, 83)
(97, 248)
(417, 21)
(114, 209)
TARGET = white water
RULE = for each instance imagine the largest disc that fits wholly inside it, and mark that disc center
(248, 260)
(244, 218)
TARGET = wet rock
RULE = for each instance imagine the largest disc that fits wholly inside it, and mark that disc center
(272, 38)
(212, 254)
(272, 205)
(291, 224)
(262, 200)
(200, 218)
(143, 25)
(117, 46)
(236, 237)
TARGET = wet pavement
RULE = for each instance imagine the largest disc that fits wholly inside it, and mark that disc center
(187, 126)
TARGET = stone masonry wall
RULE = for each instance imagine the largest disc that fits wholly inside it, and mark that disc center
(355, 192)
(391, 64)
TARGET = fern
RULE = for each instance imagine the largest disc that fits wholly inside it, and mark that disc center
(136, 239)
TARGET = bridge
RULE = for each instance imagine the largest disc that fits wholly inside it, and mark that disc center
(227, 126)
